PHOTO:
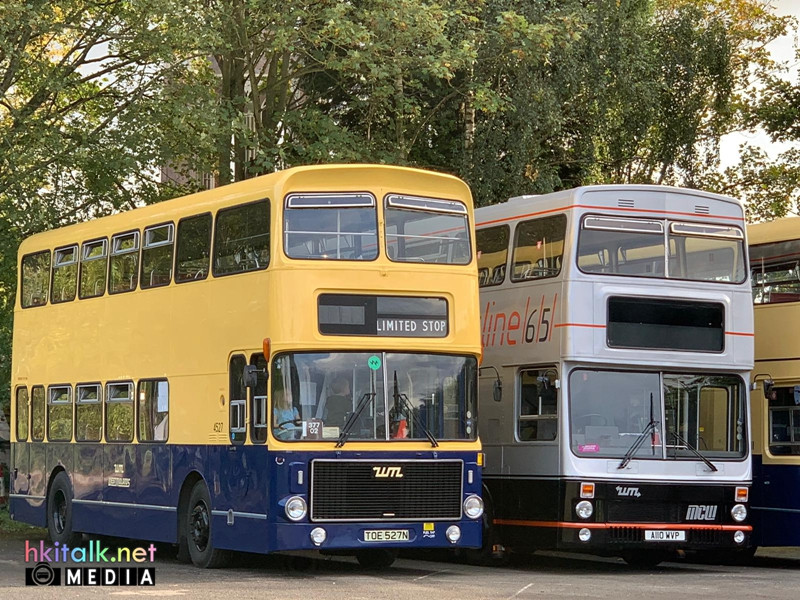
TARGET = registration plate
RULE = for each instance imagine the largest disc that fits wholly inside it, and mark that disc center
(386, 535)
(664, 535)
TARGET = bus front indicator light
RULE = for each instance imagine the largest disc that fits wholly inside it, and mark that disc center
(453, 533)
(584, 509)
(296, 508)
(738, 537)
(584, 534)
(473, 506)
(318, 536)
(739, 513)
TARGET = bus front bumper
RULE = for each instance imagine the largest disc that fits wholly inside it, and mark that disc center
(363, 536)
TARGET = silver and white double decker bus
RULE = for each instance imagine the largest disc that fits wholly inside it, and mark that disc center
(617, 331)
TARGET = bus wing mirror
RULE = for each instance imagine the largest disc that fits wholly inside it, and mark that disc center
(497, 390)
(767, 380)
(251, 375)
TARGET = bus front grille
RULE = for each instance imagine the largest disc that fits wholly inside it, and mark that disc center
(365, 490)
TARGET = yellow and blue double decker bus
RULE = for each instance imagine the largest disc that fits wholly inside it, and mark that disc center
(775, 272)
(285, 363)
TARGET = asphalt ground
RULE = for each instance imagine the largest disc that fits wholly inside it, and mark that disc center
(774, 573)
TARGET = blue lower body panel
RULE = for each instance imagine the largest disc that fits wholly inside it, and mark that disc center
(138, 490)
(775, 504)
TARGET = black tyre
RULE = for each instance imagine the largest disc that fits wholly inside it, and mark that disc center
(198, 530)
(646, 559)
(59, 512)
(376, 559)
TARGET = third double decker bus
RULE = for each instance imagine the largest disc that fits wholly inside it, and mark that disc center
(618, 340)
(285, 363)
(775, 271)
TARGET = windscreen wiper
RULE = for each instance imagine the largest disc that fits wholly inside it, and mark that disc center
(351, 421)
(694, 451)
(637, 443)
(650, 428)
(414, 416)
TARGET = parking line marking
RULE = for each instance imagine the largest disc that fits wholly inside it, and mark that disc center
(520, 591)
(429, 574)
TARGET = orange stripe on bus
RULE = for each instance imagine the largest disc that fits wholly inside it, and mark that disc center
(572, 525)
(740, 333)
(579, 325)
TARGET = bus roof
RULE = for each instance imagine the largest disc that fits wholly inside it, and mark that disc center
(561, 200)
(338, 177)
(778, 230)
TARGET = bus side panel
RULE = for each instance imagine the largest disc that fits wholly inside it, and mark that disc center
(26, 510)
(154, 488)
(20, 456)
(38, 471)
(523, 508)
(241, 486)
(87, 487)
(119, 481)
(775, 504)
(59, 454)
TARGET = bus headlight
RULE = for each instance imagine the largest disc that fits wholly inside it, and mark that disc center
(473, 506)
(453, 533)
(738, 537)
(584, 534)
(296, 508)
(739, 513)
(318, 535)
(584, 509)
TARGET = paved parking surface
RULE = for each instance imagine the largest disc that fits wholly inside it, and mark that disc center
(773, 574)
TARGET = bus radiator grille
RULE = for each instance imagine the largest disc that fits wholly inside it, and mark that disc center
(385, 491)
(617, 535)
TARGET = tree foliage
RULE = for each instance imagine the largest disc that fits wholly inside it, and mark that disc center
(514, 96)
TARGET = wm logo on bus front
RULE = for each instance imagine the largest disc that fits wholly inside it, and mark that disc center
(384, 472)
(700, 512)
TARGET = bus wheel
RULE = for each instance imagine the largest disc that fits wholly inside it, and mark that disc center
(376, 559)
(59, 512)
(198, 530)
(646, 559)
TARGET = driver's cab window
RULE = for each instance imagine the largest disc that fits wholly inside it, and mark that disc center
(784, 420)
(314, 396)
(538, 405)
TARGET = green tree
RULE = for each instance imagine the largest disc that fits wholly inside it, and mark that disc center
(94, 96)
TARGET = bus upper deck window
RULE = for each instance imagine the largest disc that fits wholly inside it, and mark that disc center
(194, 248)
(330, 226)
(94, 264)
(65, 274)
(538, 248)
(621, 246)
(492, 254)
(427, 230)
(157, 255)
(35, 280)
(241, 239)
(124, 272)
(704, 252)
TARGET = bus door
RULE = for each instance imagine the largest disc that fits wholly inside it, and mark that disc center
(233, 462)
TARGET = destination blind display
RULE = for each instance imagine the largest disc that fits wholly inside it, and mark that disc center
(384, 316)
